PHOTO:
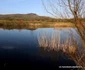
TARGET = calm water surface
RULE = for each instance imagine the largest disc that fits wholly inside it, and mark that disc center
(20, 48)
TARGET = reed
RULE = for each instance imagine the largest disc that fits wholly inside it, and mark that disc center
(53, 42)
(68, 46)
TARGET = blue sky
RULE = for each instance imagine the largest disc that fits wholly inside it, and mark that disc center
(22, 7)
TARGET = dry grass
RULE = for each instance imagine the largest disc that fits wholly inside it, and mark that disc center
(62, 24)
(69, 46)
(42, 23)
(53, 42)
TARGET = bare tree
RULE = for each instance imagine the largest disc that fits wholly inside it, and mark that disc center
(72, 8)
(66, 9)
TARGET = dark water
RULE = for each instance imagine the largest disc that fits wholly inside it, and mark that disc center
(20, 48)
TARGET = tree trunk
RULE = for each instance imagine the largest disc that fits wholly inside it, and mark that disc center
(80, 29)
(79, 25)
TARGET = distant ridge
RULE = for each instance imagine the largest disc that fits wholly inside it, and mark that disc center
(23, 16)
(32, 17)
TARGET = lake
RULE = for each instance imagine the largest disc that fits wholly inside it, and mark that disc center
(41, 47)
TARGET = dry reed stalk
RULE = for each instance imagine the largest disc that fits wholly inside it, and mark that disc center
(54, 42)
(69, 46)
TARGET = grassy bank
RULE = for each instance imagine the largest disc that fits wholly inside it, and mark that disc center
(35, 23)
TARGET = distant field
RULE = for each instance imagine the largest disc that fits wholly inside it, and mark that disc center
(35, 23)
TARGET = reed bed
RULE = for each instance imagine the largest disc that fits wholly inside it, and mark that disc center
(54, 42)
(69, 46)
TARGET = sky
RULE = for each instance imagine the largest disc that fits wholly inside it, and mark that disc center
(22, 7)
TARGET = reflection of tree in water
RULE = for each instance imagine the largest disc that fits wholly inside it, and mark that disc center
(69, 46)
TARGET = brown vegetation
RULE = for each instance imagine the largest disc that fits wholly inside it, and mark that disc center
(69, 46)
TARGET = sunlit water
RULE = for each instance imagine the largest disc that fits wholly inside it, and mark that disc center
(19, 48)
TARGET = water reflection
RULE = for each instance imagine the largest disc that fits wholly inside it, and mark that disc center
(44, 46)
(7, 47)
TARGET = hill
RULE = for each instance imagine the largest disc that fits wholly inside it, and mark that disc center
(32, 17)
(29, 16)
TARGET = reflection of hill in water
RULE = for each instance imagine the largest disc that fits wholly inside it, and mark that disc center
(19, 27)
(30, 27)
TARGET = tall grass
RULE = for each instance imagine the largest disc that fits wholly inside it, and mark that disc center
(53, 42)
(68, 46)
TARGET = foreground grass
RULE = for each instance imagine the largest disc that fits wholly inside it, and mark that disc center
(69, 46)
